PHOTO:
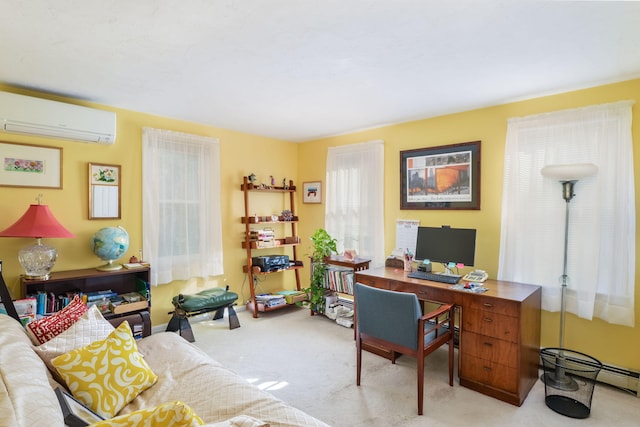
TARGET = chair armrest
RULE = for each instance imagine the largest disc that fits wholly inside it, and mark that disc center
(438, 312)
(431, 322)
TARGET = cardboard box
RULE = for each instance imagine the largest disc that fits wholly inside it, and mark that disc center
(129, 307)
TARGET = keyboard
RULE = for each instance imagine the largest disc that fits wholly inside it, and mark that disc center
(451, 279)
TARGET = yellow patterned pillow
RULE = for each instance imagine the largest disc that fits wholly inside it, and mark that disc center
(108, 374)
(170, 414)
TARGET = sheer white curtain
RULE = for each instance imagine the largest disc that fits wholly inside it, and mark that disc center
(181, 223)
(355, 199)
(601, 251)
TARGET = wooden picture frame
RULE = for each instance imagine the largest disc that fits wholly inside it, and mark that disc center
(104, 191)
(443, 177)
(312, 192)
(74, 412)
(27, 165)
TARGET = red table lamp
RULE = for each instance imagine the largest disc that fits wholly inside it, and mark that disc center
(38, 221)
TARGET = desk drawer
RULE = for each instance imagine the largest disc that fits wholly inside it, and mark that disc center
(490, 324)
(495, 305)
(403, 287)
(369, 281)
(489, 373)
(489, 348)
(427, 293)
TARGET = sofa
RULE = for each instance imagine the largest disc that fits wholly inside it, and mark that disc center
(218, 396)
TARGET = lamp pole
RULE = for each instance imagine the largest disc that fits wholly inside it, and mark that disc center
(567, 195)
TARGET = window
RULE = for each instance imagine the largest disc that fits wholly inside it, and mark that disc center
(182, 233)
(354, 214)
(601, 249)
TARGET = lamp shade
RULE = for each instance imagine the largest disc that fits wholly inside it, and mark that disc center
(38, 222)
(569, 172)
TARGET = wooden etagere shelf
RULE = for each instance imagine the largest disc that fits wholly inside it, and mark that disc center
(266, 220)
(290, 242)
(248, 186)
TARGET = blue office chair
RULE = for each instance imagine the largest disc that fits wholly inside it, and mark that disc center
(394, 321)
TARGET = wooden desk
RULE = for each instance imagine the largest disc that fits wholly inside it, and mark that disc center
(498, 353)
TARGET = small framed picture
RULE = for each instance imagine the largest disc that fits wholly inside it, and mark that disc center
(75, 413)
(26, 165)
(312, 192)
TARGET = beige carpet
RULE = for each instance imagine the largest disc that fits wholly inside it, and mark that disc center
(309, 362)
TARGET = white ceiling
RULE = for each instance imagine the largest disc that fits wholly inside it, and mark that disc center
(302, 69)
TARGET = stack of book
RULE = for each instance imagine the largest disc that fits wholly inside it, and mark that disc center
(270, 300)
(263, 238)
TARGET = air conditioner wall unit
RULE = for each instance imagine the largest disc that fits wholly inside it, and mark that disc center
(27, 115)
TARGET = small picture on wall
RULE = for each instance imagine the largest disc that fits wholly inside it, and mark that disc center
(26, 165)
(312, 192)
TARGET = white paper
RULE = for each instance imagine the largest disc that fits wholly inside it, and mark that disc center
(406, 234)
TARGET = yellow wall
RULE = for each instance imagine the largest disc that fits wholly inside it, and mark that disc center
(241, 155)
(612, 344)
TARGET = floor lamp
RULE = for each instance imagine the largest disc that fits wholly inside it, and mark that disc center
(567, 175)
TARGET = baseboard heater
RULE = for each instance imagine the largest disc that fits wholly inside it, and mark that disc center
(620, 378)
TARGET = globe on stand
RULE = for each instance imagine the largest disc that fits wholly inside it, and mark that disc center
(109, 244)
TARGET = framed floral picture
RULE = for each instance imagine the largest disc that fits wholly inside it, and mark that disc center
(26, 165)
(104, 191)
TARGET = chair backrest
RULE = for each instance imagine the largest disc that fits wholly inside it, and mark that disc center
(388, 315)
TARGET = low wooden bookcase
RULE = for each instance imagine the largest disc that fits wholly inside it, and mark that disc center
(91, 280)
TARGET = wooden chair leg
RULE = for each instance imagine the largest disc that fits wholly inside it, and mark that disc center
(451, 362)
(358, 359)
(420, 382)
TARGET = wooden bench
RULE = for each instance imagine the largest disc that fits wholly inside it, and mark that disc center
(214, 299)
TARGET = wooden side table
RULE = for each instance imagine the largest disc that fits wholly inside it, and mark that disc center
(357, 264)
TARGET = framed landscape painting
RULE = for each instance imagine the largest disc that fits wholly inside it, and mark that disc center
(443, 177)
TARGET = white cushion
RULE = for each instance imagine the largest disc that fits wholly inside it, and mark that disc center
(90, 327)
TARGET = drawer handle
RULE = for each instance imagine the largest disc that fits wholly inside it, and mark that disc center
(488, 319)
(486, 368)
(486, 304)
(488, 344)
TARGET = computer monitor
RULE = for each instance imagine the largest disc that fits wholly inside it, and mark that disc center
(445, 244)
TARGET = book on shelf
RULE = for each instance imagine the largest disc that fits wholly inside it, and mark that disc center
(47, 303)
(339, 279)
(130, 265)
(100, 295)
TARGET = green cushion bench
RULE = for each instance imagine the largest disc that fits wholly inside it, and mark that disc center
(214, 299)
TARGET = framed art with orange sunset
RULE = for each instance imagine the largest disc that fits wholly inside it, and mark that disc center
(443, 177)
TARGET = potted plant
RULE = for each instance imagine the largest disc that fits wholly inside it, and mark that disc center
(323, 246)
